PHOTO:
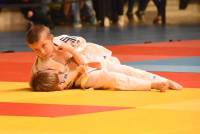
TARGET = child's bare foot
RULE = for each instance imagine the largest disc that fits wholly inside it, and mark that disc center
(162, 86)
(174, 85)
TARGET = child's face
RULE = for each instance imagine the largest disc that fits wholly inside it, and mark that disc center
(62, 76)
(44, 47)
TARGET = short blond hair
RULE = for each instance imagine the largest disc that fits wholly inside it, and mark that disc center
(45, 81)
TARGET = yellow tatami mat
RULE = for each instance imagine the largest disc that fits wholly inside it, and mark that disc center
(136, 112)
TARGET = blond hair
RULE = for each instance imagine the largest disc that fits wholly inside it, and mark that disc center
(34, 33)
(45, 81)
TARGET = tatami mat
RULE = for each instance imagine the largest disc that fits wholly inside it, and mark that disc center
(104, 112)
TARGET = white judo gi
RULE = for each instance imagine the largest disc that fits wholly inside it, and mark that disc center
(113, 74)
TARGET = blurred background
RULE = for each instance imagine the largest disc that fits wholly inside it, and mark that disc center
(101, 21)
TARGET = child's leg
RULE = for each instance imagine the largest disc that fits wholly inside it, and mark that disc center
(119, 68)
(112, 80)
(138, 73)
(174, 85)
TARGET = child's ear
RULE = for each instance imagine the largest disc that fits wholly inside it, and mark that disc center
(30, 46)
(50, 36)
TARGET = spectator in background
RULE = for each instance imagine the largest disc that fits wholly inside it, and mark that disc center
(118, 12)
(160, 5)
(8, 2)
(129, 13)
(57, 11)
(67, 9)
(183, 4)
(37, 14)
(76, 7)
(104, 11)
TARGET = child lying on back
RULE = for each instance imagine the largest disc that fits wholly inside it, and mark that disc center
(87, 77)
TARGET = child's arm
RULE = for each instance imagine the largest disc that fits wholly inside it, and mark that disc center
(77, 57)
(72, 76)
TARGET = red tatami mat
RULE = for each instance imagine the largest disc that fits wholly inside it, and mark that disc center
(179, 48)
(50, 110)
(187, 79)
(132, 58)
(16, 66)
(156, 51)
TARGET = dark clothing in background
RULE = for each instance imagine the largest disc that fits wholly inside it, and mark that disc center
(40, 12)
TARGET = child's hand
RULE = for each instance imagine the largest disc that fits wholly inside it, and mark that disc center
(96, 65)
(77, 57)
(82, 69)
(72, 64)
